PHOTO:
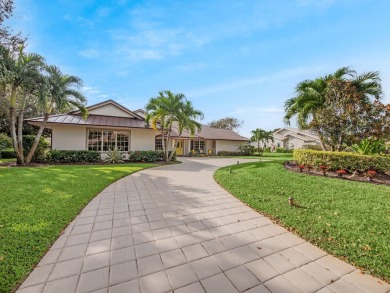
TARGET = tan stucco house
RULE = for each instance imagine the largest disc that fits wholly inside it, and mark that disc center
(113, 126)
(293, 138)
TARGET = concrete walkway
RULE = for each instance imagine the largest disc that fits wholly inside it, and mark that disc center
(173, 228)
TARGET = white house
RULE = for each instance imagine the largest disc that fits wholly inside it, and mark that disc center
(293, 138)
(112, 126)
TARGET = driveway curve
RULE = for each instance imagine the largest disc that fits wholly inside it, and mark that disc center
(174, 229)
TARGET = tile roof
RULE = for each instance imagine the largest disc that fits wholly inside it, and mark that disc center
(93, 120)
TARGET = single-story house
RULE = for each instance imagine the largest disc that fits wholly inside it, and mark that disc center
(112, 126)
(293, 138)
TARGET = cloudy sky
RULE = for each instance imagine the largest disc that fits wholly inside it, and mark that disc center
(231, 58)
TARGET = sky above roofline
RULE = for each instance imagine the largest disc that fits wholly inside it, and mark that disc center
(231, 58)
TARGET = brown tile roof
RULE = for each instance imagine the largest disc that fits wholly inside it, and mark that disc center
(208, 132)
(92, 120)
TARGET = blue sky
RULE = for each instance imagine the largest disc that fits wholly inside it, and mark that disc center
(231, 58)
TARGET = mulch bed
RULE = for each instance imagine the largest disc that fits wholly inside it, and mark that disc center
(379, 178)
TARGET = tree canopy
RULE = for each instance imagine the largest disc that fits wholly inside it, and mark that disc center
(340, 108)
(227, 123)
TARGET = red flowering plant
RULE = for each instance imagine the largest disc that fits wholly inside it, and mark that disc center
(341, 172)
(309, 167)
(371, 173)
(323, 168)
(301, 167)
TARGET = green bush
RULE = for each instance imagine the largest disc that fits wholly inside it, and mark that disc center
(246, 149)
(59, 156)
(148, 156)
(312, 147)
(40, 152)
(283, 150)
(7, 153)
(343, 160)
(5, 142)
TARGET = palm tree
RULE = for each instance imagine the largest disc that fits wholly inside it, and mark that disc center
(310, 95)
(58, 93)
(260, 135)
(163, 111)
(19, 73)
(257, 136)
(187, 120)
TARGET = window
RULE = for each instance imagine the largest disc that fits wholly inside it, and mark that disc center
(105, 140)
(158, 145)
(197, 145)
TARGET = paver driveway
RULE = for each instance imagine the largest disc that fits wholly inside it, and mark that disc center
(173, 228)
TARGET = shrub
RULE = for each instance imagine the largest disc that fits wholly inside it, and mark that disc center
(343, 160)
(148, 156)
(267, 150)
(7, 153)
(246, 149)
(113, 156)
(5, 142)
(40, 152)
(312, 147)
(59, 156)
(283, 150)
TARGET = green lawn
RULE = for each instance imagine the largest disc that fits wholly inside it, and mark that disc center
(38, 203)
(267, 157)
(350, 220)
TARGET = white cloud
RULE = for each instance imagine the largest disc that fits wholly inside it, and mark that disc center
(89, 53)
(90, 90)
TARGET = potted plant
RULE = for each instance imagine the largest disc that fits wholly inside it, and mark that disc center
(341, 172)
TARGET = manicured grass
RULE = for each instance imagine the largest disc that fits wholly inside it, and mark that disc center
(268, 157)
(38, 203)
(347, 219)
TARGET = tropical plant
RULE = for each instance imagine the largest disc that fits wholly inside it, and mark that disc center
(20, 74)
(59, 92)
(369, 147)
(310, 96)
(113, 156)
(169, 110)
(260, 135)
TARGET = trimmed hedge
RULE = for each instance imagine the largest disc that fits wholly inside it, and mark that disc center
(283, 150)
(342, 160)
(5, 142)
(7, 153)
(148, 156)
(40, 152)
(59, 156)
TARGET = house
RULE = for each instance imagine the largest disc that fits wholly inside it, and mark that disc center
(293, 138)
(112, 126)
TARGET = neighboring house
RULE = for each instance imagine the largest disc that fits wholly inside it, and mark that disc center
(112, 126)
(293, 138)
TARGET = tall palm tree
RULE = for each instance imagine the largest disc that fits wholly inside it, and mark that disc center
(187, 120)
(163, 111)
(257, 136)
(19, 73)
(59, 92)
(310, 95)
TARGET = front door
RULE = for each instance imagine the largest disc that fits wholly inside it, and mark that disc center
(180, 148)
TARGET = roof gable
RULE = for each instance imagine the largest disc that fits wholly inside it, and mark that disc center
(110, 108)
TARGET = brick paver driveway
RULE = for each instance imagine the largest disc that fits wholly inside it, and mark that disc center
(173, 228)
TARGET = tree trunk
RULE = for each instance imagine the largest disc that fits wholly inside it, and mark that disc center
(20, 129)
(258, 148)
(19, 157)
(37, 138)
